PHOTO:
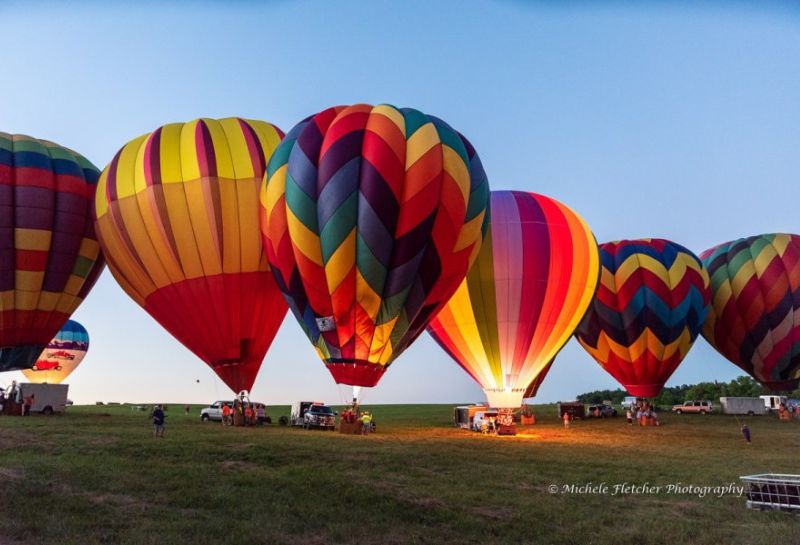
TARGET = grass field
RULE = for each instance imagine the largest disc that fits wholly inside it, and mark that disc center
(96, 475)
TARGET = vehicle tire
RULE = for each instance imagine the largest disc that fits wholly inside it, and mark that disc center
(47, 411)
(750, 413)
(205, 418)
(678, 411)
(703, 413)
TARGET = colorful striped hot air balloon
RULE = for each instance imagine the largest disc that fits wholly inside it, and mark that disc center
(61, 356)
(49, 255)
(532, 283)
(371, 216)
(651, 303)
(754, 319)
(177, 216)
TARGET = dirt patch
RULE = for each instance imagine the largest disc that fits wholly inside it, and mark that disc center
(237, 465)
(11, 473)
(240, 446)
(491, 513)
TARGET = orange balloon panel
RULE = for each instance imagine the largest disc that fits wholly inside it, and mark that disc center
(177, 217)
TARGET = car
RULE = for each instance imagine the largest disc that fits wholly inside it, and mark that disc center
(482, 417)
(319, 416)
(602, 411)
(214, 411)
(699, 407)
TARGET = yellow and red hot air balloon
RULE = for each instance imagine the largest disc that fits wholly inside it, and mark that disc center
(61, 357)
(177, 216)
(532, 283)
(49, 255)
(371, 216)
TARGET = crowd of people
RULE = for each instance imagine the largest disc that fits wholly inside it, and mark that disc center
(351, 415)
(645, 413)
(243, 412)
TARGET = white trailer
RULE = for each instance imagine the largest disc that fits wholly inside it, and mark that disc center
(772, 402)
(743, 405)
(47, 398)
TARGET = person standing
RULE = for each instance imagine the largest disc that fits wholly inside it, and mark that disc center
(26, 409)
(366, 421)
(746, 433)
(261, 414)
(159, 419)
(226, 414)
(566, 418)
(629, 416)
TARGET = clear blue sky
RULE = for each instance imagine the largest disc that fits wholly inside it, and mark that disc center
(670, 119)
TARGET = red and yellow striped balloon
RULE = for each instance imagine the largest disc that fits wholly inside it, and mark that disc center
(534, 278)
(177, 216)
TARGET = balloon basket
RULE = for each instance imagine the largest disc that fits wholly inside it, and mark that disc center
(527, 420)
(506, 429)
(350, 428)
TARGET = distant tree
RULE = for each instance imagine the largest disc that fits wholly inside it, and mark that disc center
(742, 386)
(598, 396)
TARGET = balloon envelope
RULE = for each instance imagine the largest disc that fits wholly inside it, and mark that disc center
(532, 283)
(61, 356)
(754, 319)
(177, 215)
(49, 255)
(371, 216)
(651, 303)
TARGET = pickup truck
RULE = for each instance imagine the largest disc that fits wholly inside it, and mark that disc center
(699, 407)
(214, 411)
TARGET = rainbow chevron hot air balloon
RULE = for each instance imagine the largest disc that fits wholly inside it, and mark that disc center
(371, 217)
(531, 285)
(49, 255)
(177, 215)
(651, 303)
(754, 319)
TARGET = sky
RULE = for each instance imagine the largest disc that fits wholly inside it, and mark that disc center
(651, 119)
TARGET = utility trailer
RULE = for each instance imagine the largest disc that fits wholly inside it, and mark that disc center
(464, 414)
(776, 491)
(47, 398)
(743, 405)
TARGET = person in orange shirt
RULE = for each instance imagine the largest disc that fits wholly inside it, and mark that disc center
(226, 415)
(248, 415)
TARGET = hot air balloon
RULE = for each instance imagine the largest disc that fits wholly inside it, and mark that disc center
(754, 319)
(177, 216)
(529, 288)
(651, 303)
(61, 356)
(49, 255)
(371, 216)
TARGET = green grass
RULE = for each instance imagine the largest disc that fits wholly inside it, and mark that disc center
(96, 475)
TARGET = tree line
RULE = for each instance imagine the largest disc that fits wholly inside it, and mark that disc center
(672, 395)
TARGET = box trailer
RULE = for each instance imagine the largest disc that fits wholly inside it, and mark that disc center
(743, 405)
(464, 415)
(47, 398)
(575, 410)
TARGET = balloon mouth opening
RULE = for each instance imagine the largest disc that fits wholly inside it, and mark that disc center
(355, 372)
(644, 390)
(782, 385)
(17, 358)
